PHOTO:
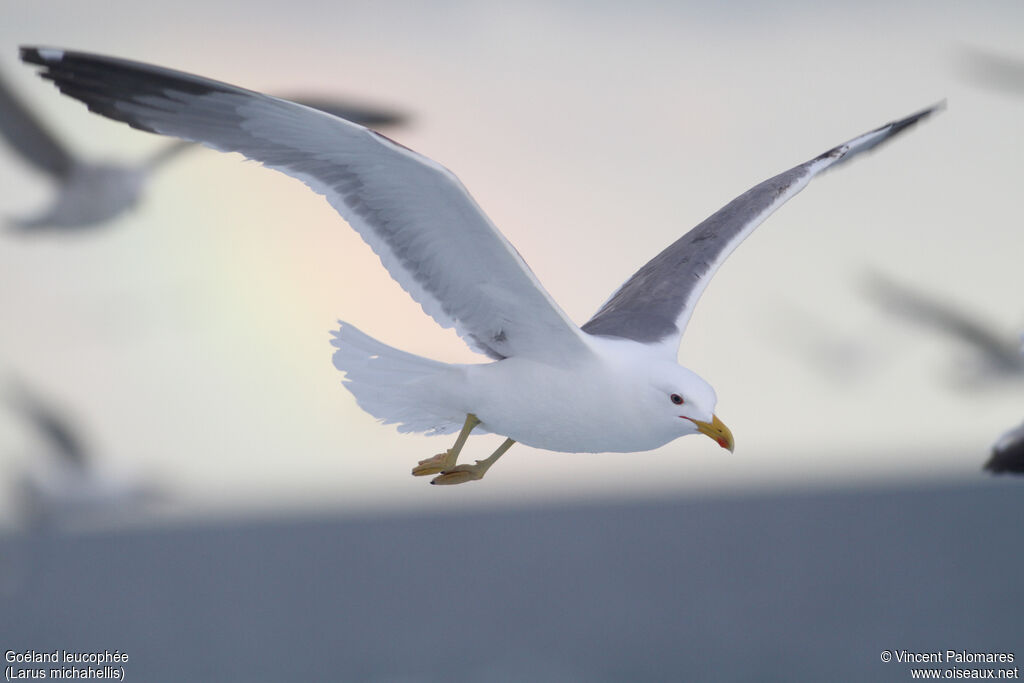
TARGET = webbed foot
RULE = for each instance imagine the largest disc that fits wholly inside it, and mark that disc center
(461, 474)
(438, 463)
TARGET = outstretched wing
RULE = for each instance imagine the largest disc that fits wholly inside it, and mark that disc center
(656, 303)
(26, 134)
(415, 214)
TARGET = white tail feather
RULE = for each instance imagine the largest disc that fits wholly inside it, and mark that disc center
(394, 386)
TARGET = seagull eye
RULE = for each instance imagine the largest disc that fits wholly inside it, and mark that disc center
(677, 399)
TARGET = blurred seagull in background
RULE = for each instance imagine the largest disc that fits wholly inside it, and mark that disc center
(997, 71)
(1004, 73)
(64, 484)
(91, 194)
(1008, 453)
(997, 354)
(998, 357)
(612, 385)
(834, 353)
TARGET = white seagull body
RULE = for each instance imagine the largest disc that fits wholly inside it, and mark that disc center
(611, 385)
(91, 194)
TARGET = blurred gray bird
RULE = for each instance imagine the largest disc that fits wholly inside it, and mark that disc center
(997, 354)
(836, 353)
(997, 71)
(63, 483)
(1008, 453)
(91, 194)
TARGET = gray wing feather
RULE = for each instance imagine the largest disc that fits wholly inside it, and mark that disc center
(363, 115)
(647, 307)
(426, 229)
(656, 303)
(26, 134)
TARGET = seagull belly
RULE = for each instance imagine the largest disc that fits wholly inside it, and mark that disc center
(573, 408)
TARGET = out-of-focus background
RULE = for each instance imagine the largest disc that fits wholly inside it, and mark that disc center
(188, 341)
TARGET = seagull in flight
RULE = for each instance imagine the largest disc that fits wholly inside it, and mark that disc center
(65, 483)
(610, 385)
(997, 354)
(91, 194)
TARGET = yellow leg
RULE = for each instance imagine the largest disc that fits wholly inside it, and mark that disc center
(445, 461)
(464, 473)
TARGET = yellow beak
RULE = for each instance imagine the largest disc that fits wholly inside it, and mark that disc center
(717, 430)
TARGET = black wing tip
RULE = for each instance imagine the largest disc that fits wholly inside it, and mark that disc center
(102, 83)
(31, 55)
(896, 127)
(889, 130)
(908, 121)
(41, 55)
(68, 66)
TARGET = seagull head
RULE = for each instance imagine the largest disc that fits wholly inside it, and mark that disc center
(685, 403)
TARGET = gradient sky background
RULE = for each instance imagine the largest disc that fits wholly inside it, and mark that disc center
(190, 338)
